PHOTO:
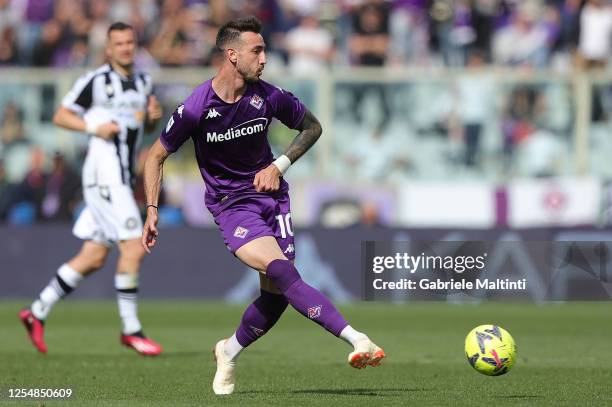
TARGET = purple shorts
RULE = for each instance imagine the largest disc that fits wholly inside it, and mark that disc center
(249, 217)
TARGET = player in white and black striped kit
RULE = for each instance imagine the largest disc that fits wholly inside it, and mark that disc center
(114, 105)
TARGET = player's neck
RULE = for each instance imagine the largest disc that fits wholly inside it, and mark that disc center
(122, 70)
(229, 85)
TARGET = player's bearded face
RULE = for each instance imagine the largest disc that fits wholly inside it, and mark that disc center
(121, 47)
(251, 56)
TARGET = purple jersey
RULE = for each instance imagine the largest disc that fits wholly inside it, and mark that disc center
(231, 139)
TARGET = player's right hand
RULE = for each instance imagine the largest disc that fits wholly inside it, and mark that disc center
(107, 130)
(268, 179)
(149, 231)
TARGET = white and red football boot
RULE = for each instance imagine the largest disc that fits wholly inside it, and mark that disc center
(35, 328)
(141, 344)
(366, 353)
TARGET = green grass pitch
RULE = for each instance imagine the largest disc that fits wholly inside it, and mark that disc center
(564, 357)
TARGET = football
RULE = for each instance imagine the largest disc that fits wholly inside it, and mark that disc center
(490, 349)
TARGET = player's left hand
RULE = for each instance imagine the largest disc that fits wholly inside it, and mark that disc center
(154, 109)
(268, 179)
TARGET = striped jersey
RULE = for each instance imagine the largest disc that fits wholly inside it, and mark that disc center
(105, 95)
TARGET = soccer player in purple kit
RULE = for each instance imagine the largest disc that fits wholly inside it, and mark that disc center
(228, 118)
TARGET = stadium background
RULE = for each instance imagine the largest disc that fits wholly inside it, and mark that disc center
(443, 120)
(465, 117)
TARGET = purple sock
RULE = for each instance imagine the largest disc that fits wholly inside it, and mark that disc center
(260, 316)
(307, 300)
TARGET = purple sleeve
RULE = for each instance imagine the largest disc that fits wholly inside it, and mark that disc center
(179, 128)
(287, 108)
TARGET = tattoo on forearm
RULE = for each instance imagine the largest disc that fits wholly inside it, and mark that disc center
(310, 131)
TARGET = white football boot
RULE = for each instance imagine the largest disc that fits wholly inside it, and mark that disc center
(225, 377)
(366, 353)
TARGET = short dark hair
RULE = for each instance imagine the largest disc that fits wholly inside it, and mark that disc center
(118, 26)
(230, 31)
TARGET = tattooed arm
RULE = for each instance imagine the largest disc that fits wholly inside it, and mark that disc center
(268, 179)
(310, 131)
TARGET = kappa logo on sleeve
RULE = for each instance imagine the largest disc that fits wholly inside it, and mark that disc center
(256, 101)
(179, 110)
(240, 232)
(170, 124)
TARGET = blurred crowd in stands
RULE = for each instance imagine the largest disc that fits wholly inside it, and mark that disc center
(308, 35)
(36, 187)
(29, 189)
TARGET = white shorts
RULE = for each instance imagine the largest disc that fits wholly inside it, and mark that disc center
(110, 215)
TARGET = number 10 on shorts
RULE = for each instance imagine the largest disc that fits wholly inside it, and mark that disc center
(285, 225)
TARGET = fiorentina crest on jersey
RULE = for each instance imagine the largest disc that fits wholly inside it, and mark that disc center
(240, 232)
(256, 101)
(314, 312)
